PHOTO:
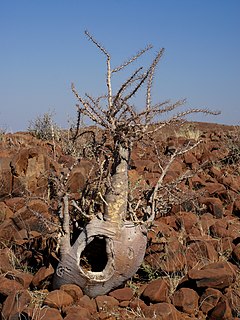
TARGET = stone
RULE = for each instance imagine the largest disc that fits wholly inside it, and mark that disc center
(137, 304)
(34, 217)
(5, 261)
(199, 253)
(165, 311)
(24, 278)
(214, 205)
(220, 229)
(15, 303)
(233, 297)
(156, 291)
(216, 275)
(42, 275)
(77, 313)
(186, 300)
(58, 299)
(209, 299)
(75, 291)
(8, 286)
(105, 302)
(88, 303)
(15, 203)
(5, 212)
(187, 221)
(222, 311)
(123, 294)
(43, 313)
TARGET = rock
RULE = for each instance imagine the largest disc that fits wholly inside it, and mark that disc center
(215, 189)
(42, 274)
(137, 305)
(34, 217)
(105, 303)
(9, 286)
(165, 311)
(5, 212)
(24, 278)
(222, 311)
(44, 313)
(214, 205)
(15, 303)
(77, 313)
(209, 299)
(88, 303)
(233, 297)
(186, 300)
(156, 291)
(216, 275)
(200, 253)
(123, 294)
(220, 229)
(187, 221)
(75, 291)
(5, 261)
(15, 203)
(58, 299)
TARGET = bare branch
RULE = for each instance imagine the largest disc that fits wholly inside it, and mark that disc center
(90, 37)
(125, 64)
(150, 78)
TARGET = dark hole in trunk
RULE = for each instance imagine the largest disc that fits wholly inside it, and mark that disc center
(94, 256)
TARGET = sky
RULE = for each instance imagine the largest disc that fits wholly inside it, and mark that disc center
(43, 50)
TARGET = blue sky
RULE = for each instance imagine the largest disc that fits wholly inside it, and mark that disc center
(43, 50)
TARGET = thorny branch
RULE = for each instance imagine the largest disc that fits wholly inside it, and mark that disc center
(123, 123)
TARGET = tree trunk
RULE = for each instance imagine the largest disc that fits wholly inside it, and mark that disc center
(109, 250)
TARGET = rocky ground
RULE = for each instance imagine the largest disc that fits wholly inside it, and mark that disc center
(191, 268)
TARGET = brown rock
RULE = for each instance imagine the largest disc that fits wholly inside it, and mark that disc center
(23, 278)
(5, 174)
(5, 212)
(5, 260)
(156, 291)
(165, 311)
(215, 188)
(77, 313)
(216, 275)
(222, 311)
(44, 313)
(236, 253)
(209, 299)
(233, 296)
(8, 286)
(34, 217)
(186, 300)
(15, 203)
(58, 299)
(105, 303)
(88, 303)
(75, 291)
(42, 274)
(15, 303)
(200, 253)
(187, 220)
(214, 205)
(29, 168)
(220, 229)
(190, 160)
(123, 294)
(206, 221)
(137, 305)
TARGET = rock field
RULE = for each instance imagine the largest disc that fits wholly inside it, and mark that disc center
(191, 268)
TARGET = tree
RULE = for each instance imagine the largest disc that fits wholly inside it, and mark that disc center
(122, 242)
